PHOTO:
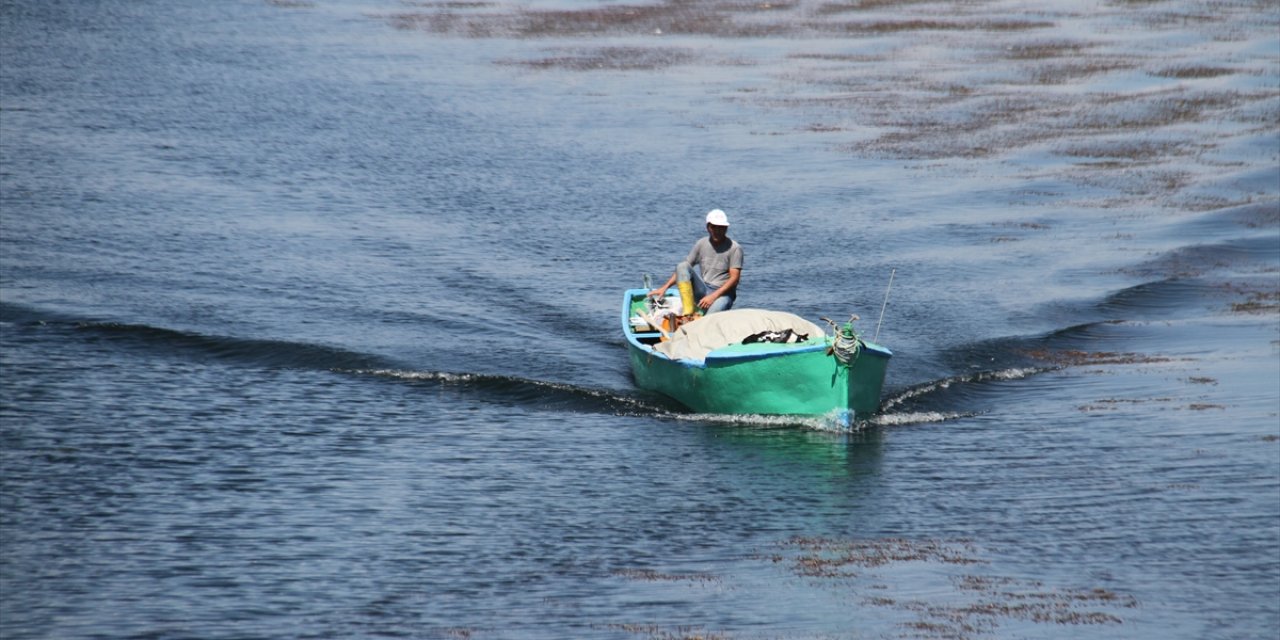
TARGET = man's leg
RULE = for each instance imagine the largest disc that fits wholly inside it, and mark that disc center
(700, 291)
(723, 303)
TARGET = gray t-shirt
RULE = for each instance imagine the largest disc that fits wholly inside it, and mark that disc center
(715, 263)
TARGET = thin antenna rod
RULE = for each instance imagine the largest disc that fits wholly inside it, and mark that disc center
(882, 307)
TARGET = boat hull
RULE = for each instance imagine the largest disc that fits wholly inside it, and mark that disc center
(765, 379)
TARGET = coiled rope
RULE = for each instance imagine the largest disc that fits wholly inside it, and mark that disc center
(845, 344)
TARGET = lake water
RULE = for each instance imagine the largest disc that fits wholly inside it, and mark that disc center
(309, 318)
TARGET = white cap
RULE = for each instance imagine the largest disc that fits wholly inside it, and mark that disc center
(718, 218)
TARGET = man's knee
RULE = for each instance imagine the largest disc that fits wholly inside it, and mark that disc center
(684, 271)
(723, 303)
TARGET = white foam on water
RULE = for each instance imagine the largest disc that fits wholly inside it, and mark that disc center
(1015, 373)
(915, 417)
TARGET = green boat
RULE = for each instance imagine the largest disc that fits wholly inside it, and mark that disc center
(725, 363)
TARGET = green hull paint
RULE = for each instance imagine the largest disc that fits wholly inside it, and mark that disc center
(771, 379)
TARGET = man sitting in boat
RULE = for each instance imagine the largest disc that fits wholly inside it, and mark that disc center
(719, 266)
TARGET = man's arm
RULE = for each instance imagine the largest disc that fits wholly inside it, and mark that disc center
(734, 276)
(662, 291)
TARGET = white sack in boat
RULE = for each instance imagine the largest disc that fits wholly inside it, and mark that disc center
(695, 340)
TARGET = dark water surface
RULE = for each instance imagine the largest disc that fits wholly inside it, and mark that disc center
(308, 319)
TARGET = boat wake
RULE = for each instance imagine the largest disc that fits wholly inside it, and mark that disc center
(555, 396)
(932, 402)
(1121, 321)
(912, 418)
(525, 392)
(929, 391)
(195, 346)
(829, 423)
